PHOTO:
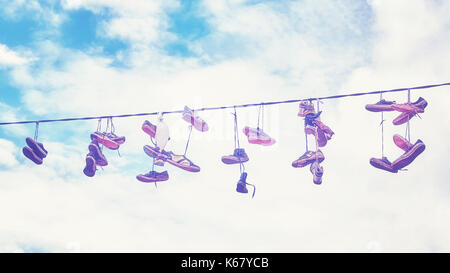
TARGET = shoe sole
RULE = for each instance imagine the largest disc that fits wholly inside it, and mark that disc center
(408, 159)
(150, 180)
(108, 143)
(96, 150)
(28, 152)
(234, 160)
(379, 108)
(149, 130)
(306, 163)
(381, 165)
(90, 168)
(36, 148)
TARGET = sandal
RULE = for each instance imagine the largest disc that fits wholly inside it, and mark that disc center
(182, 162)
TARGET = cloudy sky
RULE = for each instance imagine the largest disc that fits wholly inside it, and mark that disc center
(72, 58)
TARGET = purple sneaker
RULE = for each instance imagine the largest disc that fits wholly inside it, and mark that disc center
(28, 152)
(96, 153)
(91, 167)
(409, 156)
(241, 186)
(383, 164)
(153, 177)
(38, 148)
(381, 106)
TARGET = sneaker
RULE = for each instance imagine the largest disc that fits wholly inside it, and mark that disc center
(149, 128)
(383, 164)
(409, 155)
(239, 156)
(38, 148)
(29, 153)
(91, 167)
(317, 172)
(402, 142)
(307, 158)
(96, 153)
(153, 176)
(416, 107)
(305, 108)
(241, 186)
(105, 139)
(191, 117)
(118, 139)
(409, 110)
(257, 136)
(182, 162)
(381, 106)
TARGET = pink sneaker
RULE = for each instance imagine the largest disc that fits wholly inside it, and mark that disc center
(416, 107)
(198, 123)
(402, 142)
(257, 136)
(149, 128)
(383, 164)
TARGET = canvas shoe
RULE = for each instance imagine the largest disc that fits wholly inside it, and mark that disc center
(29, 153)
(257, 136)
(191, 117)
(96, 153)
(38, 148)
(305, 108)
(409, 110)
(238, 156)
(241, 186)
(416, 107)
(307, 158)
(402, 142)
(317, 172)
(381, 106)
(106, 140)
(90, 168)
(410, 154)
(153, 176)
(149, 128)
(383, 164)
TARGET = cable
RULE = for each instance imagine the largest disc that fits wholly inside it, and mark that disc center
(228, 107)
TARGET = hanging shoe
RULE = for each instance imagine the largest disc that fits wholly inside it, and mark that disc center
(307, 158)
(383, 164)
(149, 128)
(381, 106)
(96, 153)
(417, 106)
(106, 140)
(193, 119)
(90, 168)
(31, 155)
(317, 172)
(305, 108)
(156, 153)
(118, 139)
(326, 130)
(402, 142)
(37, 147)
(409, 110)
(410, 154)
(153, 176)
(241, 186)
(182, 162)
(239, 156)
(257, 136)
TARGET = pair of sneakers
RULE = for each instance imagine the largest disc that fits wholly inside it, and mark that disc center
(94, 158)
(411, 152)
(35, 151)
(407, 110)
(109, 140)
(312, 158)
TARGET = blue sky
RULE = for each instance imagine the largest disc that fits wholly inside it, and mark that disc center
(66, 58)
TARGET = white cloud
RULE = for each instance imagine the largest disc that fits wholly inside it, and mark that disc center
(7, 153)
(10, 58)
